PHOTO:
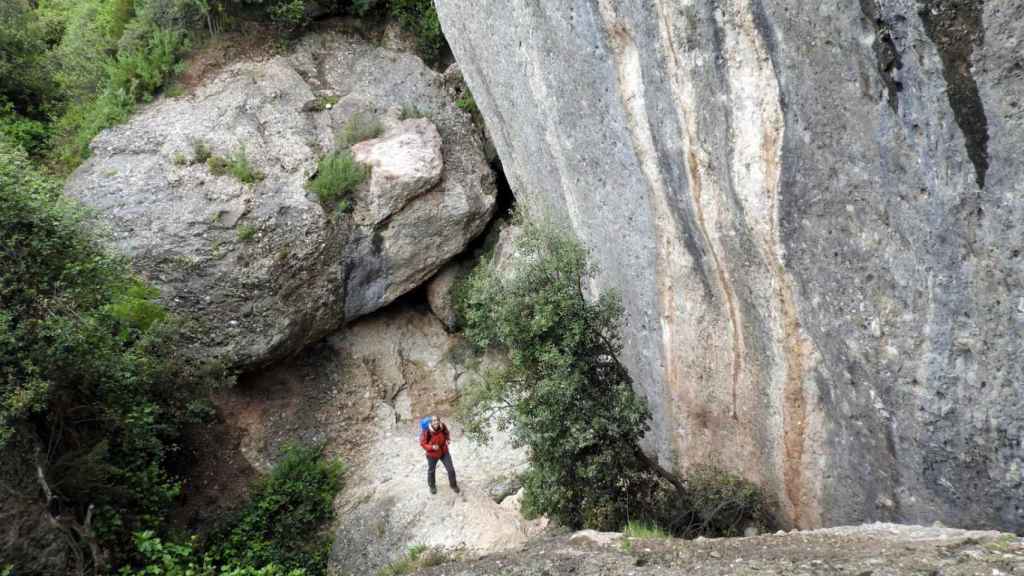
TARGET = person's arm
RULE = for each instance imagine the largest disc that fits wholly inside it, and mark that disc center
(447, 436)
(424, 438)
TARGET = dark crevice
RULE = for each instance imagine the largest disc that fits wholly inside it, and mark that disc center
(886, 51)
(503, 206)
(955, 26)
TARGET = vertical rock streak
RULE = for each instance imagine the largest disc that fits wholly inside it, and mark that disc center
(668, 245)
(696, 158)
(757, 136)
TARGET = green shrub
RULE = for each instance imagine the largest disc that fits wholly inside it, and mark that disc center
(361, 126)
(93, 389)
(218, 165)
(200, 152)
(468, 104)
(25, 66)
(240, 167)
(410, 111)
(143, 69)
(724, 504)
(246, 232)
(418, 557)
(563, 393)
(281, 524)
(31, 135)
(338, 174)
(159, 558)
(326, 102)
(76, 128)
(289, 14)
(419, 18)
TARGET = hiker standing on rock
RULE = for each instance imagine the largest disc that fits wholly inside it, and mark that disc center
(434, 439)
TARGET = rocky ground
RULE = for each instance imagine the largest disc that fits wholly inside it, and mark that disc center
(360, 394)
(869, 550)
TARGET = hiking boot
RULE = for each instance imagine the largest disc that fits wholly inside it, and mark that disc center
(455, 489)
(433, 490)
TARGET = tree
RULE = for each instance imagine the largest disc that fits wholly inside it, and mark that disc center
(92, 392)
(563, 391)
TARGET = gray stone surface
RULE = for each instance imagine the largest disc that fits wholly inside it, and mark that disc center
(869, 550)
(813, 212)
(439, 292)
(263, 268)
(405, 162)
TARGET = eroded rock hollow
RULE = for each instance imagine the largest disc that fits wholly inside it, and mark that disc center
(813, 211)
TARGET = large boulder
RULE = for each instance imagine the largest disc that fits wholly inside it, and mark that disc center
(262, 267)
(813, 214)
(404, 163)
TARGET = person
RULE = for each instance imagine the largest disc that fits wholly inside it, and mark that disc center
(434, 439)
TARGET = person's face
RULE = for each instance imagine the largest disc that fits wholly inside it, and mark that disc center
(435, 423)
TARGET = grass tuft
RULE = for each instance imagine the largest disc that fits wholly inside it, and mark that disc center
(410, 112)
(360, 127)
(337, 176)
(200, 152)
(238, 165)
(246, 232)
(418, 556)
(637, 529)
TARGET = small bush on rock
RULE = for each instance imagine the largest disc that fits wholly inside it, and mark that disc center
(242, 169)
(723, 504)
(360, 127)
(418, 557)
(337, 176)
(200, 152)
(419, 18)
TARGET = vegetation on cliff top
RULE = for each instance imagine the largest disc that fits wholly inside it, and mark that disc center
(70, 68)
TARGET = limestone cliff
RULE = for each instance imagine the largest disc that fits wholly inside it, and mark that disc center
(812, 210)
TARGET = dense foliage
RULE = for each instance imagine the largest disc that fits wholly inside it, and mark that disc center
(70, 68)
(563, 391)
(92, 392)
(565, 395)
(420, 19)
(278, 532)
(169, 559)
(281, 523)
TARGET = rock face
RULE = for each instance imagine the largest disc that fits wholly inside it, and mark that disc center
(440, 292)
(813, 212)
(263, 267)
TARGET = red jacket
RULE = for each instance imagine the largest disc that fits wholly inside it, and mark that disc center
(437, 438)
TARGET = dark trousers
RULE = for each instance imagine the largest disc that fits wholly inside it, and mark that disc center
(432, 468)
